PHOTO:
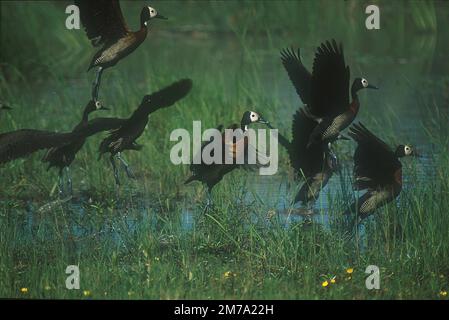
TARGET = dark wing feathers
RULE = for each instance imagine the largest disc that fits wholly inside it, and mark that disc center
(308, 160)
(23, 142)
(162, 98)
(102, 19)
(130, 129)
(330, 81)
(298, 74)
(375, 163)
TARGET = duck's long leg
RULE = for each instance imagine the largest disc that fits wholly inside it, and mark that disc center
(96, 84)
(209, 204)
(128, 169)
(114, 168)
(61, 183)
(69, 181)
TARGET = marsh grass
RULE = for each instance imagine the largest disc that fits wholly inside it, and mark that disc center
(139, 245)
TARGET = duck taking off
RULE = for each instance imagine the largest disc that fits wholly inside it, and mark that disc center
(319, 91)
(23, 142)
(376, 168)
(213, 173)
(124, 137)
(329, 91)
(62, 157)
(105, 25)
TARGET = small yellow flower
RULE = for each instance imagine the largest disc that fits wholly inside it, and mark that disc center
(443, 293)
(24, 290)
(325, 284)
(130, 293)
(86, 293)
(333, 280)
(47, 288)
(349, 270)
(229, 274)
(348, 278)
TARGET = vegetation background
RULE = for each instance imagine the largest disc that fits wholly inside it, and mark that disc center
(154, 241)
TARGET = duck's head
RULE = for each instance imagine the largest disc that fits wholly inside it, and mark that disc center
(149, 13)
(93, 105)
(250, 117)
(405, 150)
(361, 83)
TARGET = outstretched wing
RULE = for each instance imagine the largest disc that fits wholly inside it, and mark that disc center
(308, 160)
(298, 74)
(102, 20)
(23, 142)
(330, 81)
(375, 164)
(162, 98)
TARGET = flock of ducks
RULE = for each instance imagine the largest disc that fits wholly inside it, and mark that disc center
(330, 105)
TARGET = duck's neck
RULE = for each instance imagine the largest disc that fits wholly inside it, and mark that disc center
(85, 118)
(244, 127)
(143, 28)
(355, 104)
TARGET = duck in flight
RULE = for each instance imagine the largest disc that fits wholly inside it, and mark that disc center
(377, 169)
(105, 25)
(124, 137)
(324, 94)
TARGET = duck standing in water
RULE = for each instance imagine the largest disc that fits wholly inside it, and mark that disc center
(105, 25)
(376, 168)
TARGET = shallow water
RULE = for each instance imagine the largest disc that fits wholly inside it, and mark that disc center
(412, 81)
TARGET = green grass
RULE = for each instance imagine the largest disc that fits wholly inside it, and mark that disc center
(231, 51)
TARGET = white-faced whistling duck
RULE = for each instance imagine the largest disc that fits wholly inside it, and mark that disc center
(211, 174)
(62, 157)
(376, 168)
(105, 25)
(329, 92)
(123, 138)
(315, 163)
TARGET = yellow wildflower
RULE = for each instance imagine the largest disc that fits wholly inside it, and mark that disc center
(349, 270)
(229, 274)
(443, 293)
(325, 284)
(86, 293)
(333, 280)
(24, 290)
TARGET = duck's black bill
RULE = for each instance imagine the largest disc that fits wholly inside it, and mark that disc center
(370, 86)
(159, 16)
(263, 121)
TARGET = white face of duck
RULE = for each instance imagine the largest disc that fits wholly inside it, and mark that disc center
(254, 116)
(364, 82)
(408, 150)
(152, 12)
